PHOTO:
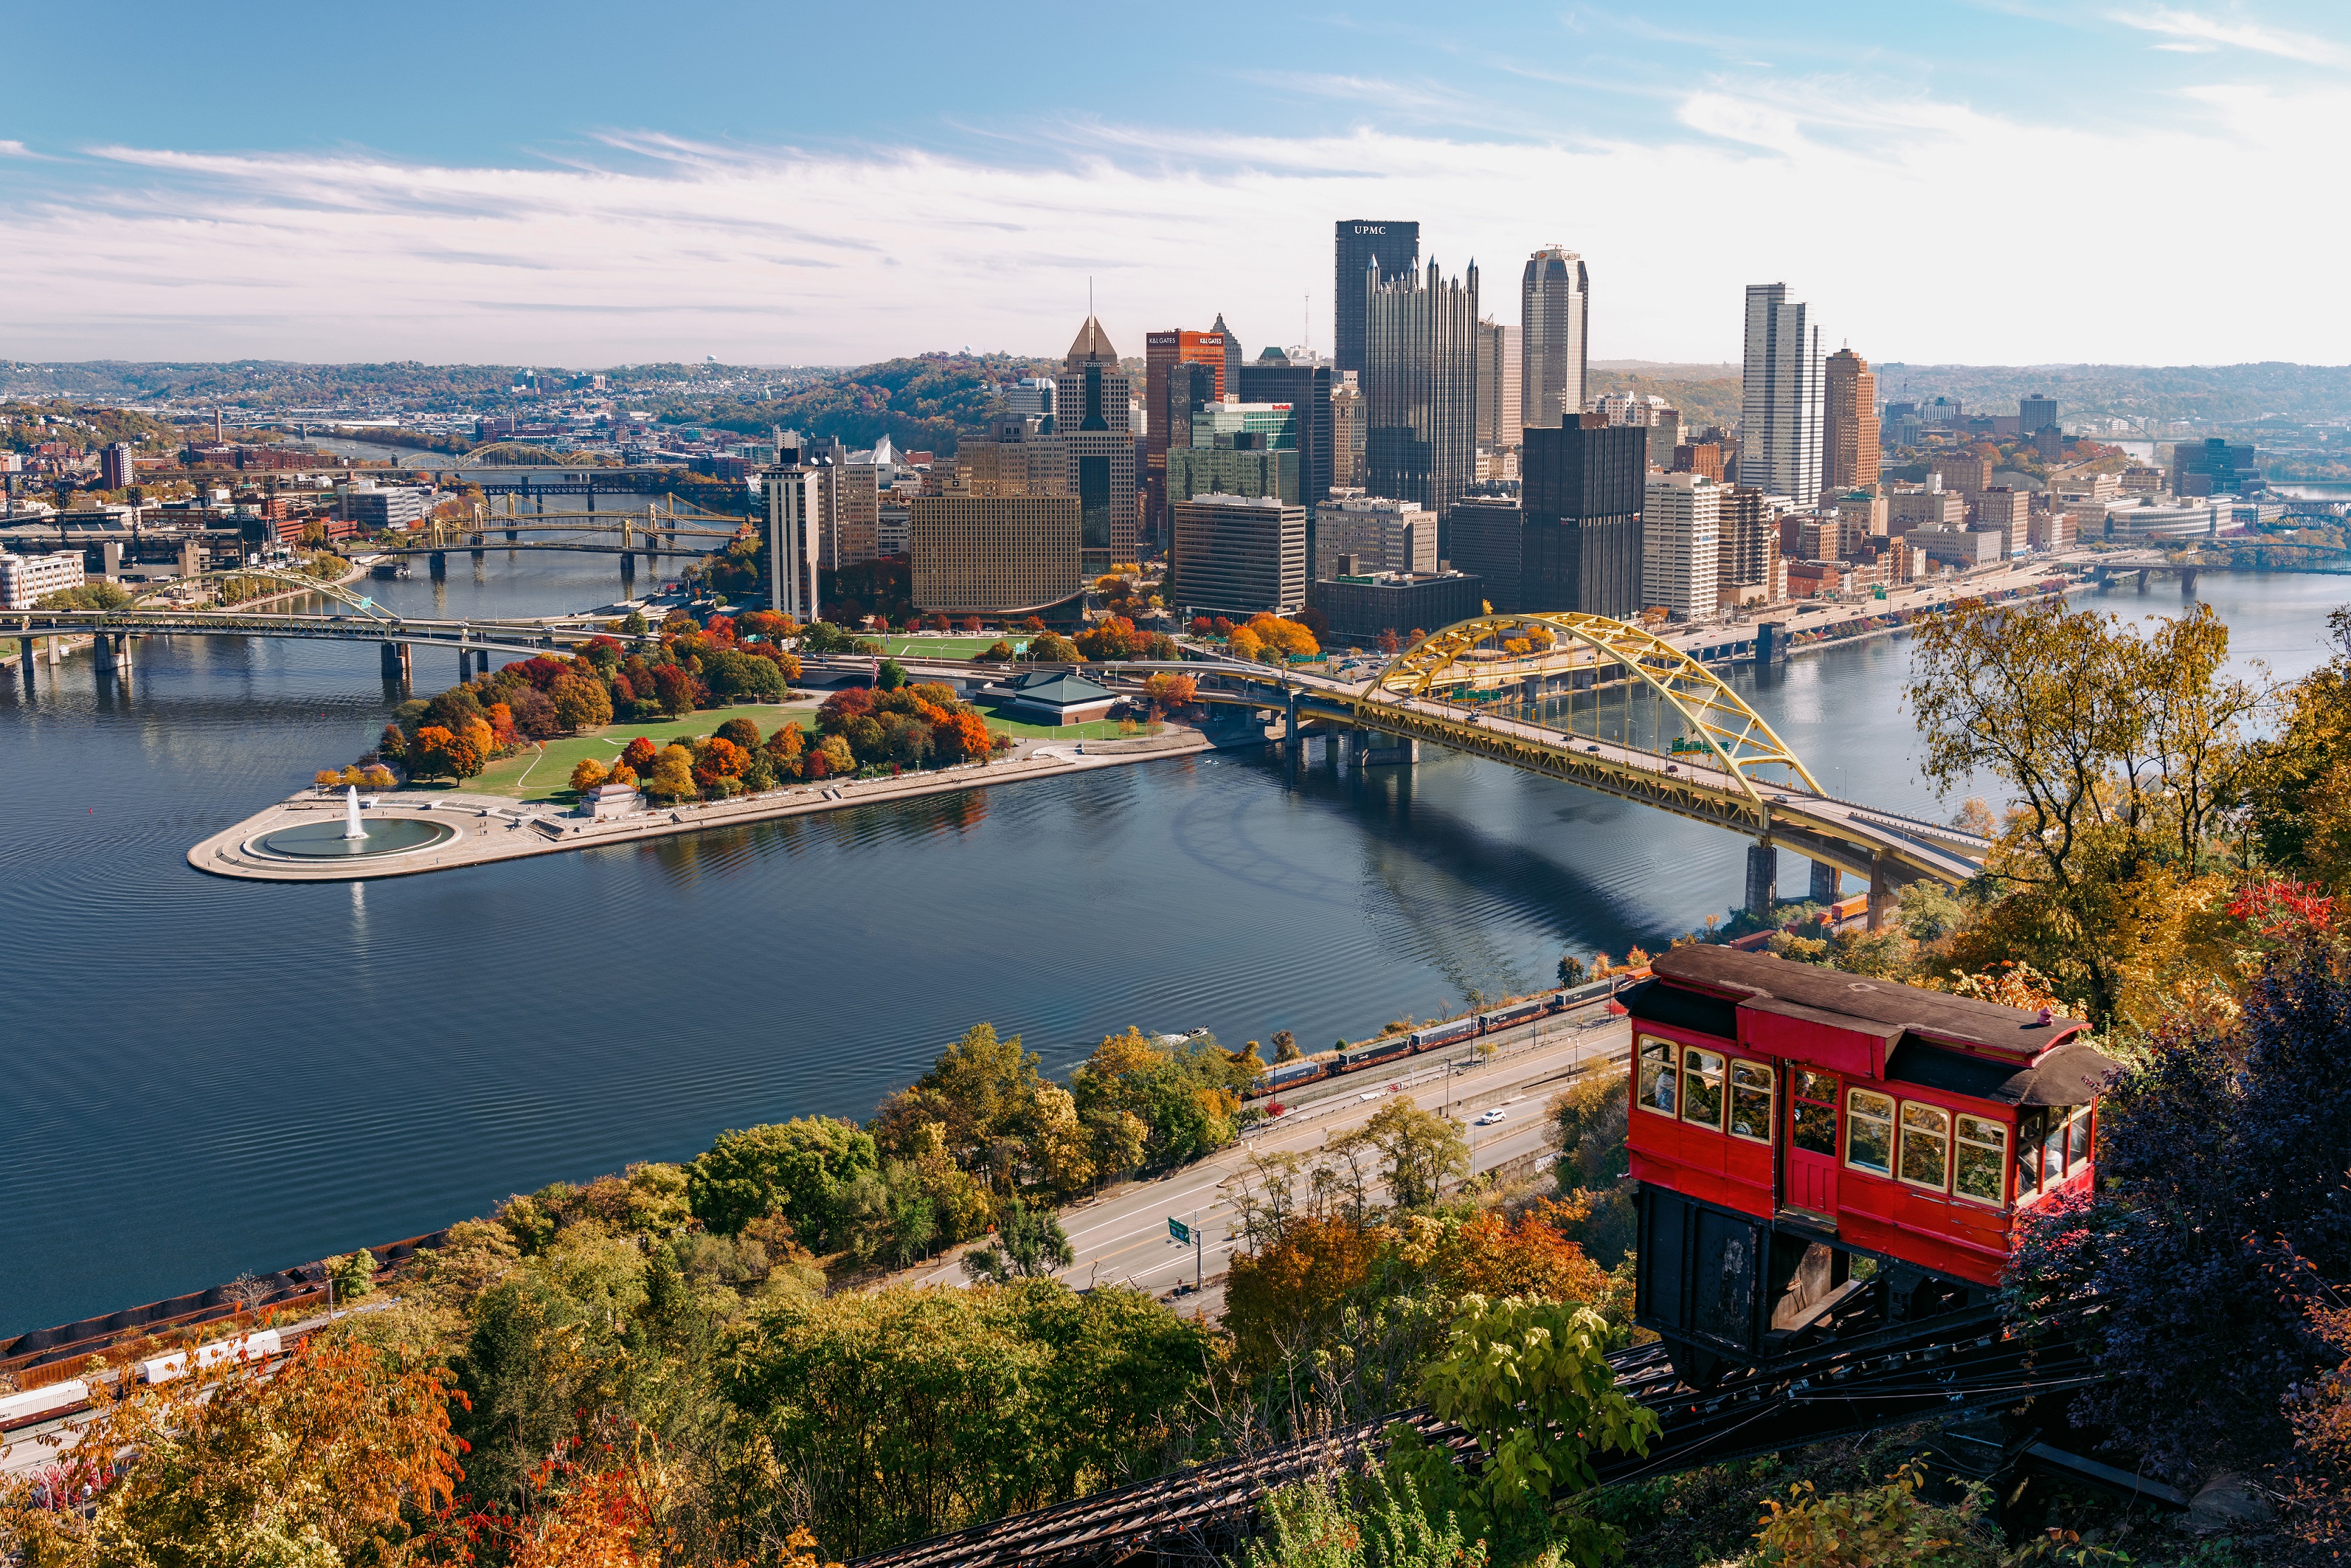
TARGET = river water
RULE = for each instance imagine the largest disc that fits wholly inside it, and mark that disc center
(203, 1077)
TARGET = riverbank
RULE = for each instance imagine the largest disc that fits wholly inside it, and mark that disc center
(483, 829)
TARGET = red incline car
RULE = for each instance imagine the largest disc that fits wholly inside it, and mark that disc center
(1788, 1119)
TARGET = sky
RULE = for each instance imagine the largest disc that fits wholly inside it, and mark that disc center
(1984, 182)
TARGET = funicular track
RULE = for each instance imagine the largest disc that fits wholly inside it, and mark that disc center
(1849, 1373)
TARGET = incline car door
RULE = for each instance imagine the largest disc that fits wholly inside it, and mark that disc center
(1812, 1163)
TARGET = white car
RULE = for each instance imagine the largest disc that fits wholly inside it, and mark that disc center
(1491, 1117)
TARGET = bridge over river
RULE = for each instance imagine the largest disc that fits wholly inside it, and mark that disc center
(1490, 687)
(1535, 692)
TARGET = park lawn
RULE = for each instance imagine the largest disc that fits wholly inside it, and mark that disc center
(544, 772)
(1097, 729)
(899, 647)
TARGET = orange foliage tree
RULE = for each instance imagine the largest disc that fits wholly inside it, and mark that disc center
(341, 1453)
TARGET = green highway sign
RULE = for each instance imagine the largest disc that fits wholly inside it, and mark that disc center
(1180, 1231)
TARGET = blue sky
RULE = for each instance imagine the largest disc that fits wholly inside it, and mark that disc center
(596, 184)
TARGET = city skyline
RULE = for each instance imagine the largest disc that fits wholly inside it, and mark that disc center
(515, 218)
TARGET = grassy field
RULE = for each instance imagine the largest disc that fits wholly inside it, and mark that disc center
(1098, 729)
(544, 773)
(941, 647)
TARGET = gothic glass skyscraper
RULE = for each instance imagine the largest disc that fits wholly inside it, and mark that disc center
(1420, 387)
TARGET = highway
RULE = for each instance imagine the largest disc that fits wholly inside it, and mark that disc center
(1121, 1238)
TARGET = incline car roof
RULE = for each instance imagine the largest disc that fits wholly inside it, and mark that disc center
(1885, 1008)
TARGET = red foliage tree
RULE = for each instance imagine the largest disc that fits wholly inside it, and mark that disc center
(541, 671)
(847, 703)
(678, 691)
(639, 754)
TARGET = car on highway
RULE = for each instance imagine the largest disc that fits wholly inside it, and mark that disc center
(1491, 1117)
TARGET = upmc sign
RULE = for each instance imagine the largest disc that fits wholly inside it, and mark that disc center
(1370, 229)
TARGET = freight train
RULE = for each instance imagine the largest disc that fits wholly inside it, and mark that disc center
(1286, 1075)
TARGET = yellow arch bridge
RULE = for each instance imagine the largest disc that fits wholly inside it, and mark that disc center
(1565, 696)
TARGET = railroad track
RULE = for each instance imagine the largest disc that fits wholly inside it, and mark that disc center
(1859, 1373)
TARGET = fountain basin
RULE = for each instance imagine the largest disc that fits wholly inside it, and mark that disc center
(326, 840)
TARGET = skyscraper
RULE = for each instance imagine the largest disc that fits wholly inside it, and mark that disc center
(1780, 434)
(1307, 388)
(994, 555)
(1395, 246)
(1582, 488)
(1420, 387)
(1554, 310)
(1498, 388)
(1849, 456)
(1090, 415)
(1232, 353)
(1681, 541)
(1170, 393)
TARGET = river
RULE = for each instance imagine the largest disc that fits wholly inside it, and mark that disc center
(204, 1077)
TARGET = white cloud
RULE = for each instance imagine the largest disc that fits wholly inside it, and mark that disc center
(1920, 230)
(2198, 33)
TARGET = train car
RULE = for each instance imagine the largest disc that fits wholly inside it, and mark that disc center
(1394, 1049)
(1284, 1075)
(1437, 1034)
(1517, 1013)
(1787, 1120)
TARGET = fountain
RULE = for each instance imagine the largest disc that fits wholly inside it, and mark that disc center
(350, 839)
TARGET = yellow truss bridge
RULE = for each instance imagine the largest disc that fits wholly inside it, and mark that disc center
(1473, 687)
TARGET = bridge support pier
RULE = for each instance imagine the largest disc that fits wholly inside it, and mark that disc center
(1881, 895)
(1827, 883)
(1291, 739)
(1762, 879)
(437, 565)
(2188, 583)
(2142, 582)
(56, 648)
(24, 659)
(399, 668)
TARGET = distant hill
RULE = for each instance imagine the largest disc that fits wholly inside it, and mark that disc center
(923, 404)
(2162, 395)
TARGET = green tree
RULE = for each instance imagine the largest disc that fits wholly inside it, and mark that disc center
(910, 1412)
(1532, 1381)
(796, 1168)
(1030, 1244)
(1419, 1152)
(1329, 1523)
(891, 676)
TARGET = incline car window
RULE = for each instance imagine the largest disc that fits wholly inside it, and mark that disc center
(1926, 1145)
(1981, 1166)
(1869, 1131)
(1656, 1089)
(2053, 1149)
(1702, 1087)
(2077, 1139)
(1816, 1113)
(2029, 1129)
(1751, 1100)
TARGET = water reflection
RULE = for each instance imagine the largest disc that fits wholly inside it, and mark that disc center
(209, 1076)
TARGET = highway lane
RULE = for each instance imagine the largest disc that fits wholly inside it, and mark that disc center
(1122, 1237)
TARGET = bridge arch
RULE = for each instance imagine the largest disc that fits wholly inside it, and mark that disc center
(1736, 735)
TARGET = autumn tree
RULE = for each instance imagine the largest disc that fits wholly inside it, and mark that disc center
(342, 1453)
(672, 774)
(580, 703)
(639, 754)
(2120, 751)
(587, 773)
